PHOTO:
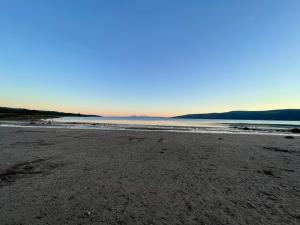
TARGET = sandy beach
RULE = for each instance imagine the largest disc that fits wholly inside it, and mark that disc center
(68, 176)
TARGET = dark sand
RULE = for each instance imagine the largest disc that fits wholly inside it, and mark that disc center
(60, 176)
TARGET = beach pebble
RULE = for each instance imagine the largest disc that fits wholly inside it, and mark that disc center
(289, 137)
(295, 130)
(88, 213)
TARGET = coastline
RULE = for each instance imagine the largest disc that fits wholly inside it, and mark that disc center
(222, 128)
(88, 176)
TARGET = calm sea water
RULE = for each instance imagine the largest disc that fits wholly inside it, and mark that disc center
(180, 125)
(155, 121)
(166, 124)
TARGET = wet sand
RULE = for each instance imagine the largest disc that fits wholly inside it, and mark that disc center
(61, 176)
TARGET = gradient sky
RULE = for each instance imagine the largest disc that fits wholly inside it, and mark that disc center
(150, 57)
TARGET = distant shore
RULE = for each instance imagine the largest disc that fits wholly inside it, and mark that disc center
(277, 114)
(7, 113)
(67, 176)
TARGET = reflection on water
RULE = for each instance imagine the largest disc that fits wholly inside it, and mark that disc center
(165, 124)
(174, 122)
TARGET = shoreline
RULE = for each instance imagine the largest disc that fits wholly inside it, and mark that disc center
(240, 128)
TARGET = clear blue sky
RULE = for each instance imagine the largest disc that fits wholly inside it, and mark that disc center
(150, 57)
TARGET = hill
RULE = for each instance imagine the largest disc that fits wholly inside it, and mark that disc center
(280, 114)
(28, 114)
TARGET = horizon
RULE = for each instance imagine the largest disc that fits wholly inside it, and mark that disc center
(151, 58)
(146, 116)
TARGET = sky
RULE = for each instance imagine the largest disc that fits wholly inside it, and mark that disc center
(150, 57)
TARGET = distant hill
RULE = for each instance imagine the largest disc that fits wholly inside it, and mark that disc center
(281, 114)
(20, 114)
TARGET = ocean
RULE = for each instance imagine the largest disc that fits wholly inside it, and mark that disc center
(179, 125)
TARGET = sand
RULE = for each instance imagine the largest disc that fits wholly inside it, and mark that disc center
(61, 176)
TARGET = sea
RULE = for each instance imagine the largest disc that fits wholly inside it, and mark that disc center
(269, 127)
(182, 125)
